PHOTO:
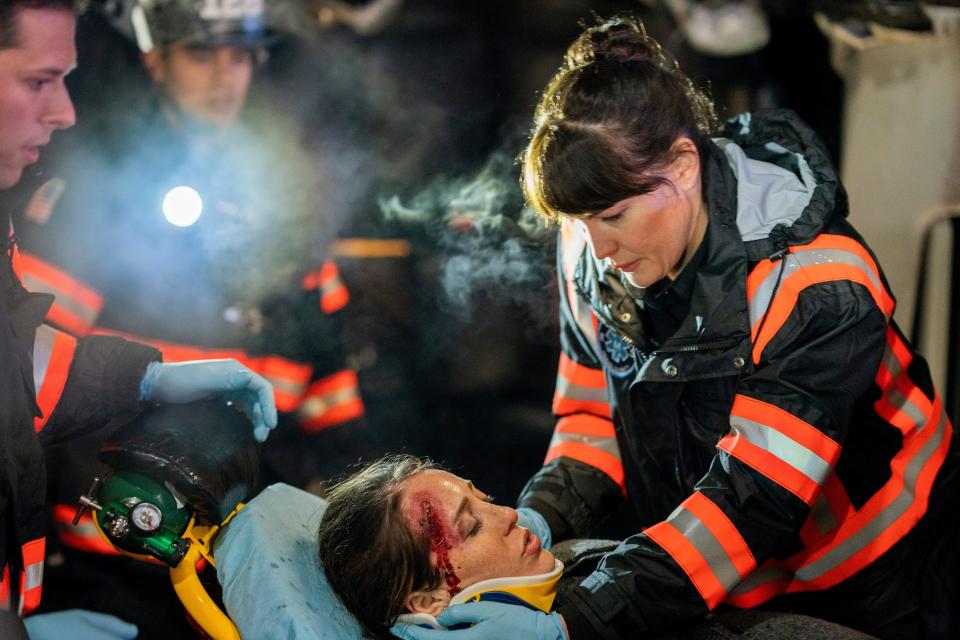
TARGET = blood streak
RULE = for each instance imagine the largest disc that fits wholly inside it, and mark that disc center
(441, 541)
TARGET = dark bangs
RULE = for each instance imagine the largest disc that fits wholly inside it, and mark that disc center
(589, 168)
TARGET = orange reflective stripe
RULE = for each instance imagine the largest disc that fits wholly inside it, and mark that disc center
(829, 509)
(82, 536)
(289, 378)
(371, 248)
(5, 588)
(580, 388)
(52, 356)
(335, 299)
(76, 305)
(590, 440)
(828, 258)
(902, 404)
(887, 516)
(690, 560)
(785, 422)
(31, 578)
(586, 424)
(581, 375)
(331, 401)
(780, 446)
(765, 583)
(700, 537)
(723, 530)
(333, 294)
(866, 534)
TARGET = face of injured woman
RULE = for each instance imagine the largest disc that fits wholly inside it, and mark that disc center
(471, 539)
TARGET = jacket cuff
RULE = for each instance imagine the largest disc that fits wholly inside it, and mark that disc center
(578, 624)
(125, 372)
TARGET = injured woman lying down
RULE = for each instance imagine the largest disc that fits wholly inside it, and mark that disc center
(403, 537)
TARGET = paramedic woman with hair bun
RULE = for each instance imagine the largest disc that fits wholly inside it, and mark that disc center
(730, 366)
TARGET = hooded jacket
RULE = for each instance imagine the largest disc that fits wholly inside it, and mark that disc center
(782, 440)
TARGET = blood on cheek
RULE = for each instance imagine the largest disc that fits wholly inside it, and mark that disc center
(442, 540)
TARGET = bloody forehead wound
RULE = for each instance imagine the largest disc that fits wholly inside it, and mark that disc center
(440, 537)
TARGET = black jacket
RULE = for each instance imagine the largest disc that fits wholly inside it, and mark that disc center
(782, 440)
(81, 384)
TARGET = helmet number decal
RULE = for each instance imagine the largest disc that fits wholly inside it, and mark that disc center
(230, 9)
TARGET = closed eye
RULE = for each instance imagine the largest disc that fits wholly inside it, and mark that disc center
(612, 218)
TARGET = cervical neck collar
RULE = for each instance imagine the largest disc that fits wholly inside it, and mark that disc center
(533, 592)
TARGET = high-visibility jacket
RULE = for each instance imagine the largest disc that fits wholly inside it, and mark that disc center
(247, 281)
(52, 387)
(786, 439)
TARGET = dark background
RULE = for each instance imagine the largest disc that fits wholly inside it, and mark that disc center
(418, 113)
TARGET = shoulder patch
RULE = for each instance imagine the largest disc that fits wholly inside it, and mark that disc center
(619, 357)
(44, 199)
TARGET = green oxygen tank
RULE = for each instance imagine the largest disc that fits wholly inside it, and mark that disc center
(141, 515)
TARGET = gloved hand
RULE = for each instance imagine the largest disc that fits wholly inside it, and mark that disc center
(531, 519)
(78, 624)
(188, 381)
(491, 620)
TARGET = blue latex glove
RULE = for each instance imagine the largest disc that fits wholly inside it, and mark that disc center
(530, 519)
(491, 621)
(198, 379)
(78, 624)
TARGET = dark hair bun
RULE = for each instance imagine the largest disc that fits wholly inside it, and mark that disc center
(622, 42)
(620, 39)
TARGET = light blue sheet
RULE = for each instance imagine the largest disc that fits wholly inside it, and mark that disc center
(267, 564)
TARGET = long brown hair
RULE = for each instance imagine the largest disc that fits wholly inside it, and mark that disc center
(607, 121)
(370, 556)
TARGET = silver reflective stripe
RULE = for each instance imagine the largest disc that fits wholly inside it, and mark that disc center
(63, 299)
(895, 397)
(320, 404)
(790, 451)
(697, 533)
(584, 317)
(341, 396)
(900, 402)
(608, 445)
(42, 352)
(760, 577)
(34, 576)
(293, 388)
(869, 532)
(573, 391)
(822, 516)
(331, 286)
(799, 259)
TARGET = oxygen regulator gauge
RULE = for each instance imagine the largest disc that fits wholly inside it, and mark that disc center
(139, 515)
(146, 517)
